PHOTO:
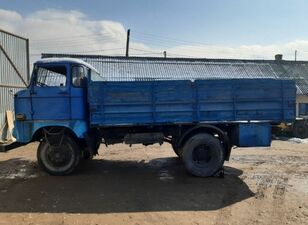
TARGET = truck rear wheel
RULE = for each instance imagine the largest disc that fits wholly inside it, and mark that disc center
(59, 160)
(203, 155)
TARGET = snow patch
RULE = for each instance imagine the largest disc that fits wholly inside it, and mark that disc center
(298, 140)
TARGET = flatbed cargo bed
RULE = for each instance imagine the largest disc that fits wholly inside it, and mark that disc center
(184, 101)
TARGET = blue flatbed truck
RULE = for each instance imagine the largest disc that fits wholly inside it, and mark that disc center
(70, 109)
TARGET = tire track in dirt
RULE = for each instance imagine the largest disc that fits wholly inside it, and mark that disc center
(270, 183)
(278, 201)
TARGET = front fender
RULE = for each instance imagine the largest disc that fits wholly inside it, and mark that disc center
(24, 130)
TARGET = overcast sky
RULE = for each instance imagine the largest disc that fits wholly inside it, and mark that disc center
(195, 28)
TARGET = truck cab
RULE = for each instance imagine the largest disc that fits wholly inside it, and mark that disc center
(56, 96)
(53, 110)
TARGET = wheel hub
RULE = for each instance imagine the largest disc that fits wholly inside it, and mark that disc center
(59, 156)
(202, 154)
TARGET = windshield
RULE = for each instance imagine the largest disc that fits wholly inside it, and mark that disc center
(96, 76)
(49, 76)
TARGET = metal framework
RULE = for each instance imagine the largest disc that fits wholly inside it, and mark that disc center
(14, 74)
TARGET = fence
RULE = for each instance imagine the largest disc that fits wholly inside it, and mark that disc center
(14, 75)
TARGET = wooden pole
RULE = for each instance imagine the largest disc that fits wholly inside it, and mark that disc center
(127, 43)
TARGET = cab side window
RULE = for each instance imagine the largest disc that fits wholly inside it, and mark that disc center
(79, 78)
(50, 76)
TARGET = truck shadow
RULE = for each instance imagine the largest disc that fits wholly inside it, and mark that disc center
(105, 186)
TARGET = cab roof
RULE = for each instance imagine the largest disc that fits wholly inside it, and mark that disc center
(66, 60)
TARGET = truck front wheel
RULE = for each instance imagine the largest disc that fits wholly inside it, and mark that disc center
(59, 159)
(203, 155)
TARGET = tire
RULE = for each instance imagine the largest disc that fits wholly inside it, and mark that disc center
(203, 155)
(61, 160)
(300, 129)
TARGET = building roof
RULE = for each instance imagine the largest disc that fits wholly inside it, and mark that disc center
(114, 68)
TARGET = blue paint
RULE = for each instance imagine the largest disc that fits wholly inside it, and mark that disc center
(252, 135)
(303, 109)
(52, 106)
(24, 130)
(165, 102)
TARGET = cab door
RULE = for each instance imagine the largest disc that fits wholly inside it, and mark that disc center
(50, 92)
(78, 91)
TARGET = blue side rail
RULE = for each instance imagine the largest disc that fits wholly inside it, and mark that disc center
(184, 101)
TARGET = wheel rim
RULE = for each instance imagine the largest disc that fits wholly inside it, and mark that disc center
(58, 158)
(204, 155)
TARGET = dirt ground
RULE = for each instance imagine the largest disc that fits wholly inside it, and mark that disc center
(149, 185)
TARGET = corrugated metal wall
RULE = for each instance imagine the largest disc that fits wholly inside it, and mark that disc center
(115, 68)
(142, 68)
(14, 73)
